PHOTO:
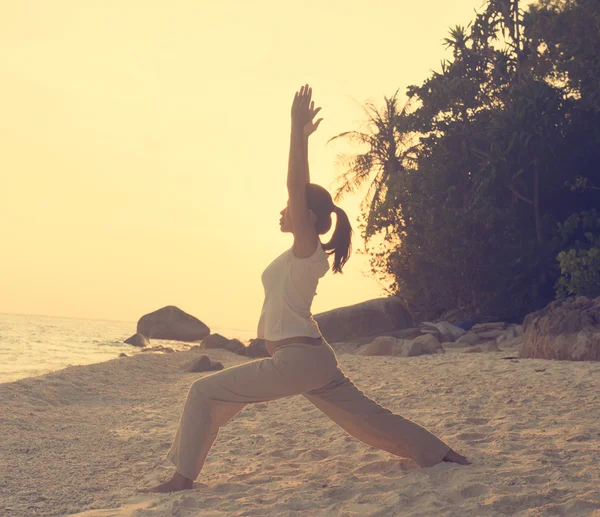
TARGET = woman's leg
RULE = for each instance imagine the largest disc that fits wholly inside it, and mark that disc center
(366, 420)
(214, 399)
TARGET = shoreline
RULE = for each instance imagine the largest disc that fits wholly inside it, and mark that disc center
(80, 441)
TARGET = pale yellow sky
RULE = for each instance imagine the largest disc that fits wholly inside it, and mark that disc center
(143, 144)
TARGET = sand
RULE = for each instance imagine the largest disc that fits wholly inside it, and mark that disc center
(82, 440)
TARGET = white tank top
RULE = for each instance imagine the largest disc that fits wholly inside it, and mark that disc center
(290, 285)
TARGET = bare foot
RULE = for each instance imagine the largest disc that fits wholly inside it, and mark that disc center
(176, 483)
(454, 457)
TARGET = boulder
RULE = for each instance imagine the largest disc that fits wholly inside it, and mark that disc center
(493, 325)
(513, 344)
(214, 341)
(511, 333)
(427, 344)
(256, 348)
(469, 339)
(172, 323)
(368, 318)
(490, 334)
(218, 341)
(384, 345)
(442, 330)
(137, 340)
(123, 354)
(567, 329)
(203, 364)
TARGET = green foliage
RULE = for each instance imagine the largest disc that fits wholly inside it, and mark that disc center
(471, 177)
(580, 265)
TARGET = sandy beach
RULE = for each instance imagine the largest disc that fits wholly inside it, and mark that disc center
(82, 440)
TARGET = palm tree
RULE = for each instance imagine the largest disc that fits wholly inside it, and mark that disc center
(390, 152)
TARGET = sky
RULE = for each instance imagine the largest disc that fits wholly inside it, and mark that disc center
(144, 144)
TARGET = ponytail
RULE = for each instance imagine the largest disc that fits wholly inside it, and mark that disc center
(341, 240)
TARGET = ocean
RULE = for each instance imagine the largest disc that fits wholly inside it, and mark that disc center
(35, 345)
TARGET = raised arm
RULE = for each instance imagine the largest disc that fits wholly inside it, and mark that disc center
(303, 113)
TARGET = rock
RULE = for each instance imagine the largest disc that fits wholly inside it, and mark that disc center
(353, 344)
(256, 348)
(137, 340)
(442, 330)
(484, 327)
(453, 344)
(159, 348)
(369, 318)
(218, 341)
(172, 323)
(203, 364)
(470, 339)
(427, 344)
(567, 329)
(511, 333)
(236, 346)
(513, 344)
(123, 354)
(490, 334)
(488, 346)
(384, 345)
(214, 341)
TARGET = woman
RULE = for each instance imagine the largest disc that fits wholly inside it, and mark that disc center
(301, 361)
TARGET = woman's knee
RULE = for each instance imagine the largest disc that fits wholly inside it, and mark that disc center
(200, 391)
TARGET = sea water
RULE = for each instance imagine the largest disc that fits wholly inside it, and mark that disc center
(35, 345)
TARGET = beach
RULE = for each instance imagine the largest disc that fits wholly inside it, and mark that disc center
(82, 440)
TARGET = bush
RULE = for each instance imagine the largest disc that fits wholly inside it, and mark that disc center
(580, 264)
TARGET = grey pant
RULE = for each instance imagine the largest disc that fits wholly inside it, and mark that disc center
(294, 369)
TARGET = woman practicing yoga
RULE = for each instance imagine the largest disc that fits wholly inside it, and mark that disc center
(301, 361)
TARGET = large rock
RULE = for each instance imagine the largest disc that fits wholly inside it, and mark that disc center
(363, 319)
(567, 329)
(384, 345)
(172, 323)
(442, 330)
(427, 344)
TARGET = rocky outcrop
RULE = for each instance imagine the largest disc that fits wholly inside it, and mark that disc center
(203, 364)
(567, 329)
(370, 318)
(137, 340)
(172, 323)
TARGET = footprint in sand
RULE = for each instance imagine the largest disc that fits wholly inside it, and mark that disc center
(474, 437)
(386, 467)
(474, 490)
(477, 421)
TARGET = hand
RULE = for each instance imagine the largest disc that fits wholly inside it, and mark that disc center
(303, 111)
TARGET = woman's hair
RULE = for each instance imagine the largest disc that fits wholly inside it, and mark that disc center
(320, 202)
